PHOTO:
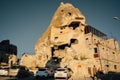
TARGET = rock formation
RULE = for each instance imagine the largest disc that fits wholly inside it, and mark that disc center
(64, 30)
(70, 42)
(63, 39)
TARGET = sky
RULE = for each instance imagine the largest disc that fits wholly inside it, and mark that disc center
(24, 21)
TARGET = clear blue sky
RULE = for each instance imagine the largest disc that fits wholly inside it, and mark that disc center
(24, 21)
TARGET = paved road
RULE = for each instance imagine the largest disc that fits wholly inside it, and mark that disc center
(28, 78)
(115, 76)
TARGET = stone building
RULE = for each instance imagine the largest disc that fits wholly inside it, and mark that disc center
(8, 53)
(70, 42)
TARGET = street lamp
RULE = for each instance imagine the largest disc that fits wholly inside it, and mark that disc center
(116, 18)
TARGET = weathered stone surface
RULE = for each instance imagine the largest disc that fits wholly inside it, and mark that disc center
(28, 61)
(13, 60)
(63, 27)
(70, 42)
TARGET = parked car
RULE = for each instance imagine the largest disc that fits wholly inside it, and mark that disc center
(62, 73)
(42, 72)
(4, 71)
(19, 71)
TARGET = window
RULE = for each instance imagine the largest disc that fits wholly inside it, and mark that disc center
(61, 28)
(95, 50)
(61, 32)
(115, 66)
(96, 55)
(86, 39)
(107, 65)
(75, 41)
(56, 38)
(62, 10)
(69, 13)
(113, 52)
(87, 29)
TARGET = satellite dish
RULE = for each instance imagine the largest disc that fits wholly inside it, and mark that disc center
(116, 18)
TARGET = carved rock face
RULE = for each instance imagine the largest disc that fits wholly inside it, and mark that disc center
(68, 42)
(61, 42)
(66, 14)
(65, 27)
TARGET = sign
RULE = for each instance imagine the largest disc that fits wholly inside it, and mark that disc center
(96, 55)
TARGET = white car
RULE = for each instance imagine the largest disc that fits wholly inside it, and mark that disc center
(3, 71)
(62, 73)
(42, 72)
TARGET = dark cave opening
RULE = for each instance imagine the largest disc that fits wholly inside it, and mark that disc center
(74, 25)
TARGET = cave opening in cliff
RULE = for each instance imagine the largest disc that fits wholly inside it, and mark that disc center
(60, 47)
(52, 50)
(63, 46)
(73, 41)
(74, 25)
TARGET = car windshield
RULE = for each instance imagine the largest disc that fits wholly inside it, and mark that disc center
(42, 69)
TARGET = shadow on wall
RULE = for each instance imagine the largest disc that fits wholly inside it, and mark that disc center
(24, 73)
(53, 63)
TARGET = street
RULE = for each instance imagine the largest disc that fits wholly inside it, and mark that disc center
(111, 76)
(27, 78)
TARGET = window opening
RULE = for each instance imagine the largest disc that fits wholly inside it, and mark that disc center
(86, 38)
(113, 52)
(107, 65)
(52, 50)
(115, 66)
(69, 13)
(95, 50)
(75, 41)
(61, 28)
(62, 10)
(74, 25)
(61, 32)
(63, 46)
